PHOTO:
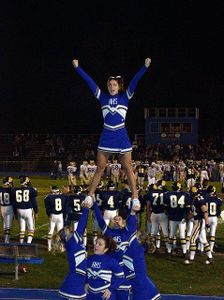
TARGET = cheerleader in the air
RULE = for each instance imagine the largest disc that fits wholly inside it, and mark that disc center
(114, 138)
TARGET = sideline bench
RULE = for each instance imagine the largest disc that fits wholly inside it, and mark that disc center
(19, 254)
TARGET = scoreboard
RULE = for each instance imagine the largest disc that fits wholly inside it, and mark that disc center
(171, 125)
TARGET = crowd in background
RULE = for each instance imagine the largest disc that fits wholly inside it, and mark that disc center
(68, 147)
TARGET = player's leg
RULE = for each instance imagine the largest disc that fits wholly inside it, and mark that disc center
(52, 224)
(30, 225)
(190, 224)
(73, 181)
(7, 222)
(204, 242)
(164, 223)
(194, 236)
(102, 158)
(155, 228)
(59, 222)
(213, 221)
(126, 162)
(22, 224)
(148, 227)
(6, 228)
(172, 234)
(60, 225)
(182, 233)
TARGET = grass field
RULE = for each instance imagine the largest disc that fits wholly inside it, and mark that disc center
(169, 274)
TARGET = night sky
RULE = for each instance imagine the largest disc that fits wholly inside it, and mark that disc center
(40, 92)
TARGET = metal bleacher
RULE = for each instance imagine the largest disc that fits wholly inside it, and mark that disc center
(35, 156)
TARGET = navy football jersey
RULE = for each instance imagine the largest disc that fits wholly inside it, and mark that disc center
(110, 199)
(198, 202)
(156, 200)
(73, 207)
(125, 201)
(98, 199)
(56, 203)
(5, 196)
(177, 203)
(214, 205)
(24, 198)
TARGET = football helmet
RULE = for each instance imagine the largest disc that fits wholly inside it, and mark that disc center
(152, 187)
(110, 185)
(77, 189)
(25, 180)
(196, 187)
(7, 181)
(176, 186)
(84, 188)
(161, 183)
(211, 189)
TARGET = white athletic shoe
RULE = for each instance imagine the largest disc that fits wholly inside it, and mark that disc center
(188, 261)
(209, 261)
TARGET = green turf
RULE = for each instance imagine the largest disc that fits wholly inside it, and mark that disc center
(169, 274)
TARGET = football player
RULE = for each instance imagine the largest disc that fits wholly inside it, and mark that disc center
(178, 204)
(74, 209)
(190, 178)
(90, 170)
(140, 173)
(196, 189)
(182, 171)
(115, 172)
(72, 172)
(204, 174)
(24, 199)
(125, 201)
(156, 213)
(142, 201)
(151, 173)
(201, 222)
(110, 201)
(214, 204)
(55, 205)
(82, 173)
(6, 206)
